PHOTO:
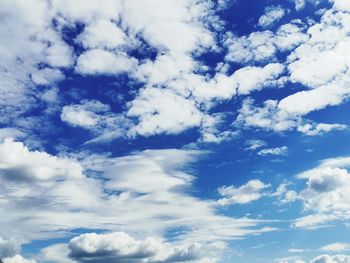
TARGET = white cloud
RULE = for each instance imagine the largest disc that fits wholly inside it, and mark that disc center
(121, 247)
(320, 65)
(102, 34)
(272, 15)
(98, 61)
(47, 76)
(255, 78)
(162, 111)
(336, 247)
(262, 46)
(331, 259)
(283, 150)
(18, 163)
(320, 128)
(267, 117)
(39, 187)
(326, 194)
(251, 191)
(319, 259)
(255, 144)
(271, 116)
(18, 259)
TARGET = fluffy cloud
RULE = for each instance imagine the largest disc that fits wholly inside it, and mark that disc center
(262, 46)
(161, 111)
(120, 247)
(102, 34)
(273, 117)
(325, 194)
(272, 14)
(18, 163)
(96, 117)
(18, 259)
(98, 61)
(251, 191)
(274, 151)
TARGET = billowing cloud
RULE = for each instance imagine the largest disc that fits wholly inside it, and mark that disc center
(120, 247)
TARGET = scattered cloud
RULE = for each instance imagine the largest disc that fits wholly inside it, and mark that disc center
(249, 192)
(272, 14)
(283, 150)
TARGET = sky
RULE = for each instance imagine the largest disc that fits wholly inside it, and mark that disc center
(160, 131)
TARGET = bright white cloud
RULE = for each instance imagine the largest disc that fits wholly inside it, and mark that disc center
(283, 150)
(18, 259)
(18, 163)
(272, 15)
(162, 111)
(251, 191)
(98, 61)
(326, 194)
(102, 34)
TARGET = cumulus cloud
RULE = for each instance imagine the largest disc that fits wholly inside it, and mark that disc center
(272, 15)
(162, 111)
(270, 116)
(121, 247)
(18, 259)
(251, 191)
(325, 194)
(18, 163)
(262, 46)
(98, 61)
(102, 34)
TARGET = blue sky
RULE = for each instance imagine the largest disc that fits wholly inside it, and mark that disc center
(174, 131)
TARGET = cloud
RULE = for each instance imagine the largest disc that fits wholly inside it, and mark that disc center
(331, 259)
(18, 259)
(274, 151)
(263, 46)
(336, 247)
(121, 247)
(255, 144)
(272, 15)
(319, 259)
(102, 192)
(251, 191)
(162, 111)
(273, 117)
(325, 194)
(98, 61)
(8, 248)
(102, 34)
(18, 163)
